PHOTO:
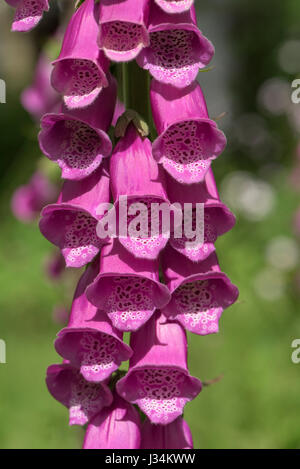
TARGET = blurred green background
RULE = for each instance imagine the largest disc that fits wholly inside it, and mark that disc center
(256, 402)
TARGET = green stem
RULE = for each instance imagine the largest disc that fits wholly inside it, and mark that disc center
(135, 91)
(125, 85)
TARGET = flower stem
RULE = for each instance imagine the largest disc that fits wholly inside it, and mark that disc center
(136, 84)
(125, 85)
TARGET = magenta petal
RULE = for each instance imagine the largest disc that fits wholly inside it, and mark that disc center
(130, 153)
(176, 435)
(158, 380)
(28, 14)
(188, 142)
(55, 265)
(71, 223)
(28, 200)
(89, 341)
(200, 292)
(145, 247)
(143, 186)
(123, 31)
(197, 253)
(84, 400)
(22, 204)
(177, 48)
(12, 3)
(79, 73)
(174, 6)
(127, 288)
(40, 98)
(77, 140)
(60, 314)
(218, 219)
(117, 427)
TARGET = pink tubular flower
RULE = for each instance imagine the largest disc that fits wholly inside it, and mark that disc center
(200, 292)
(77, 140)
(176, 435)
(28, 200)
(116, 427)
(136, 175)
(177, 48)
(127, 288)
(80, 71)
(123, 28)
(188, 141)
(218, 219)
(28, 13)
(175, 6)
(60, 314)
(40, 98)
(89, 341)
(71, 223)
(55, 265)
(158, 380)
(83, 399)
(119, 110)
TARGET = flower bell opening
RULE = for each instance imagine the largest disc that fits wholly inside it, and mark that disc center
(177, 49)
(186, 150)
(161, 393)
(121, 40)
(83, 399)
(76, 147)
(127, 289)
(78, 242)
(28, 14)
(200, 292)
(96, 353)
(79, 80)
(175, 6)
(123, 28)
